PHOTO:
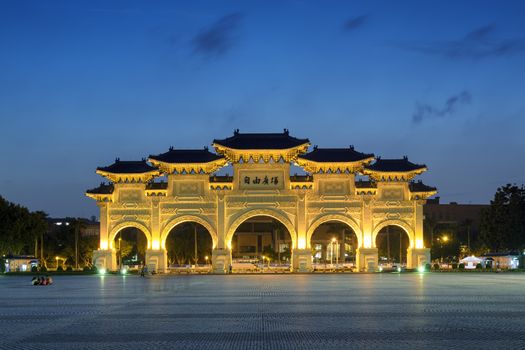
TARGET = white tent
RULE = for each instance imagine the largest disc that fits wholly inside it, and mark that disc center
(471, 262)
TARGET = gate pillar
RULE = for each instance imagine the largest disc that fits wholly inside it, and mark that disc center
(105, 259)
(417, 257)
(221, 260)
(302, 260)
(157, 260)
(366, 259)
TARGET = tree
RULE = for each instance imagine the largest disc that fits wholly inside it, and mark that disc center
(19, 228)
(502, 225)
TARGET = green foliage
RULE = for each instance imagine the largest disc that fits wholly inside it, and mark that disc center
(180, 244)
(427, 267)
(60, 269)
(502, 225)
(270, 253)
(34, 269)
(69, 268)
(43, 269)
(461, 266)
(19, 228)
(454, 266)
(479, 266)
(436, 266)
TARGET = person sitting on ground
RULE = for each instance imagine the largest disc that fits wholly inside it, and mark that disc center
(43, 281)
(49, 280)
(34, 281)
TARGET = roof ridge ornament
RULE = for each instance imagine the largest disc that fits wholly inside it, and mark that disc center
(315, 147)
(351, 147)
(117, 159)
(171, 148)
(236, 132)
(286, 131)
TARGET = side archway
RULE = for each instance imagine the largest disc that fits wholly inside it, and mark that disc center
(188, 218)
(140, 226)
(279, 216)
(399, 223)
(330, 218)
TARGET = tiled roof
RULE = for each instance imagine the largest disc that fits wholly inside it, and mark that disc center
(261, 141)
(394, 165)
(186, 156)
(128, 167)
(102, 189)
(335, 155)
(419, 186)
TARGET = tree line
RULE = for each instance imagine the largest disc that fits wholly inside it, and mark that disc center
(23, 232)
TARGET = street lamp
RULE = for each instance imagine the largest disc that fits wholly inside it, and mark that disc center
(56, 258)
(334, 242)
(119, 253)
(206, 259)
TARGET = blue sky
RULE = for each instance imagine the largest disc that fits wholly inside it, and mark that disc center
(83, 82)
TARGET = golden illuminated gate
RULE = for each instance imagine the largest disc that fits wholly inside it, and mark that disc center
(261, 185)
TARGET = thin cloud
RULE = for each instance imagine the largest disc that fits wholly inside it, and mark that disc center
(475, 45)
(427, 111)
(355, 23)
(217, 39)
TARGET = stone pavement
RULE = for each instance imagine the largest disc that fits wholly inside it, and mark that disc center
(361, 311)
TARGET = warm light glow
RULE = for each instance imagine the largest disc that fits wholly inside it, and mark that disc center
(334, 240)
(302, 243)
(421, 269)
(419, 243)
(124, 270)
(156, 244)
(102, 271)
(445, 238)
(367, 242)
(206, 258)
(104, 245)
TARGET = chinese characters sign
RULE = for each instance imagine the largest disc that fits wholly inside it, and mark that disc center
(261, 180)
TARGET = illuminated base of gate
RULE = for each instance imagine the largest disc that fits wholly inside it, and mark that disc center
(302, 260)
(156, 260)
(417, 257)
(366, 259)
(221, 261)
(105, 259)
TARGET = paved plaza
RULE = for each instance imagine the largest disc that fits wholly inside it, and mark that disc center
(389, 311)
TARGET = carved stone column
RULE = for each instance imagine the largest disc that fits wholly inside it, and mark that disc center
(301, 260)
(417, 257)
(105, 259)
(367, 259)
(156, 260)
(221, 260)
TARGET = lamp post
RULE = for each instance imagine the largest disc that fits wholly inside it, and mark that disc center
(56, 258)
(206, 259)
(334, 241)
(119, 254)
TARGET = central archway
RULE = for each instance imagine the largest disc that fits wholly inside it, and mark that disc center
(274, 214)
(130, 244)
(334, 245)
(261, 239)
(393, 238)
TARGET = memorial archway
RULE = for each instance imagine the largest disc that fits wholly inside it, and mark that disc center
(262, 239)
(188, 243)
(130, 244)
(334, 242)
(392, 241)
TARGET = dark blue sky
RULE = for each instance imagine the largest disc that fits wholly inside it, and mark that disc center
(83, 82)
